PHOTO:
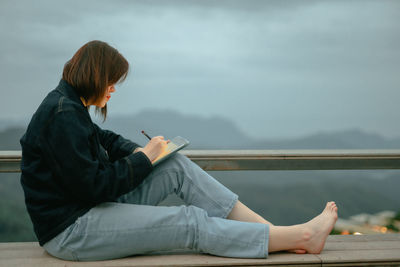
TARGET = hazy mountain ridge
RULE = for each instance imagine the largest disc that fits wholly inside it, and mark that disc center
(348, 139)
(221, 133)
(216, 133)
(9, 138)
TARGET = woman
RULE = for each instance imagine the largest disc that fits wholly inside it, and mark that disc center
(93, 195)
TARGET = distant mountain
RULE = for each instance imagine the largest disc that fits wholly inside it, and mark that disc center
(348, 139)
(221, 133)
(12, 123)
(9, 138)
(216, 133)
(204, 133)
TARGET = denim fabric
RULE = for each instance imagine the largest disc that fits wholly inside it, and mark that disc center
(135, 225)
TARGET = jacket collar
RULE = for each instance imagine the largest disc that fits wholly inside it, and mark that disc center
(69, 91)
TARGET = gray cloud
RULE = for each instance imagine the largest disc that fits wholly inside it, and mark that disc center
(278, 68)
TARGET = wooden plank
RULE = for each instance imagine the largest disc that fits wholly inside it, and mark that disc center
(220, 160)
(376, 245)
(363, 238)
(31, 254)
(129, 263)
(338, 258)
(10, 161)
(362, 250)
(295, 152)
(10, 154)
(363, 242)
(363, 264)
(296, 164)
(371, 250)
(295, 159)
(10, 166)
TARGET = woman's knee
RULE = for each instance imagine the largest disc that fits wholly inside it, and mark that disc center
(182, 159)
(177, 161)
(195, 212)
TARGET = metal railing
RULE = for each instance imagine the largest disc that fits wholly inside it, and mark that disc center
(229, 160)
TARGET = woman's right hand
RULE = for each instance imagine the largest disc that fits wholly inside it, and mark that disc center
(155, 147)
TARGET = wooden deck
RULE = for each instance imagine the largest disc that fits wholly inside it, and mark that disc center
(362, 250)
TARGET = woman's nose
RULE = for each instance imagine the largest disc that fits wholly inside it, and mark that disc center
(112, 89)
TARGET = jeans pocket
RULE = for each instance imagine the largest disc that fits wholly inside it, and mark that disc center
(64, 236)
(58, 246)
(72, 239)
(80, 225)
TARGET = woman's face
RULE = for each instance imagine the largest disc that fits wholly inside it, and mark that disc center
(103, 101)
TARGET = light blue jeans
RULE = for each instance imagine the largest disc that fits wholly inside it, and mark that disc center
(136, 225)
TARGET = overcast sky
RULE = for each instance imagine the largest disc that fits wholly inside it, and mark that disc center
(276, 68)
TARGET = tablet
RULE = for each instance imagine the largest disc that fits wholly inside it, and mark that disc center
(176, 144)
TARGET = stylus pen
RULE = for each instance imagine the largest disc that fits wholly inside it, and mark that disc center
(143, 132)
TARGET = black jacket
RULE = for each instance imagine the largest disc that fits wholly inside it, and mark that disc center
(70, 165)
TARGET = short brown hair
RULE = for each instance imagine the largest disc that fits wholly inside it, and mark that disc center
(94, 67)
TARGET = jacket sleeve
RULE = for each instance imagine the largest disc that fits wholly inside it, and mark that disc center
(116, 146)
(69, 148)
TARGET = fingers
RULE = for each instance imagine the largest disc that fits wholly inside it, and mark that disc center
(161, 139)
(155, 147)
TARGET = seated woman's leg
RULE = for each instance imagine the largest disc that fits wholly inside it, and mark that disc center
(194, 186)
(241, 212)
(115, 230)
(197, 188)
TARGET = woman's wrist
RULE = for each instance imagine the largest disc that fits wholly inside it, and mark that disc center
(137, 149)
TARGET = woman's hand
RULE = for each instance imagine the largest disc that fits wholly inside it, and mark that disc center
(155, 147)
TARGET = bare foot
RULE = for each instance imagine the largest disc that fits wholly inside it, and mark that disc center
(317, 230)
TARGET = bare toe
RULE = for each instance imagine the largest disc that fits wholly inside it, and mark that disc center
(298, 251)
(331, 206)
(320, 227)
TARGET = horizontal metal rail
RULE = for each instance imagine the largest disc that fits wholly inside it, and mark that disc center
(295, 159)
(233, 160)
